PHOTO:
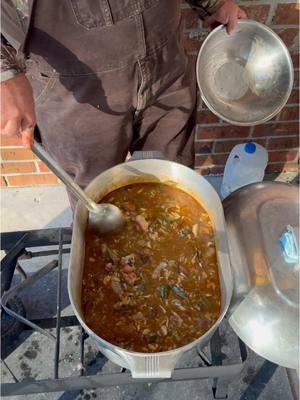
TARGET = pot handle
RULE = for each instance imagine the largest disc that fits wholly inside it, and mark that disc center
(144, 155)
(152, 365)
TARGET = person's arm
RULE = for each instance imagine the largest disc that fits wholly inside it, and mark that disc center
(17, 104)
(215, 12)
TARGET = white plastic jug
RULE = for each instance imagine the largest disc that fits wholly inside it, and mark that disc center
(246, 164)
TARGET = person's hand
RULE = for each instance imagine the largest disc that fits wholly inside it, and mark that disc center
(228, 14)
(17, 109)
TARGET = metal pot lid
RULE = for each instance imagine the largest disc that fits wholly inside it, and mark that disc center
(263, 235)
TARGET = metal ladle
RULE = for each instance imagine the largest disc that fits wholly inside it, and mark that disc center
(104, 218)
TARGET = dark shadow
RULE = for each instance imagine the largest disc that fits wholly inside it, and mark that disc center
(170, 108)
(9, 348)
(295, 181)
(43, 303)
(56, 54)
(259, 382)
(93, 367)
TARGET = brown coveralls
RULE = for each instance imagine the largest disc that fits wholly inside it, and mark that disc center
(110, 76)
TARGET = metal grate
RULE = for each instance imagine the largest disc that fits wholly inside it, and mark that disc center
(15, 245)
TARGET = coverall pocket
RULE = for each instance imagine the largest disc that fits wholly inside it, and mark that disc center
(42, 84)
(92, 13)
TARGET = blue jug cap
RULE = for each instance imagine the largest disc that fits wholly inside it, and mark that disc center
(250, 148)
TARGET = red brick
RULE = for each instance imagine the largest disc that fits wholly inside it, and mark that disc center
(294, 97)
(17, 154)
(221, 132)
(206, 117)
(288, 35)
(32, 180)
(190, 18)
(210, 170)
(296, 79)
(258, 12)
(283, 143)
(286, 14)
(10, 141)
(289, 114)
(277, 156)
(17, 168)
(276, 129)
(43, 167)
(295, 59)
(2, 182)
(285, 167)
(205, 147)
(210, 159)
(225, 146)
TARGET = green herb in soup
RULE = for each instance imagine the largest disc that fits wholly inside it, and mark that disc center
(154, 286)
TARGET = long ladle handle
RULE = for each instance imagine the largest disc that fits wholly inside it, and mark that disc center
(42, 154)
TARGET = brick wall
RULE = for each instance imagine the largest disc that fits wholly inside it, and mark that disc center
(20, 167)
(214, 138)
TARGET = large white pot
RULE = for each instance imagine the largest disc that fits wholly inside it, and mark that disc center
(149, 365)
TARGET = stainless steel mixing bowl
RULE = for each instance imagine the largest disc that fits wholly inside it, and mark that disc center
(246, 77)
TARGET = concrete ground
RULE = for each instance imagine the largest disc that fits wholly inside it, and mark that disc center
(32, 358)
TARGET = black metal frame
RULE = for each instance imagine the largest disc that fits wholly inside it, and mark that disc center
(15, 244)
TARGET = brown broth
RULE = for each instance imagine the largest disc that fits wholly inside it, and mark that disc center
(154, 286)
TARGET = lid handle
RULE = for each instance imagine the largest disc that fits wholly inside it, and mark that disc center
(289, 246)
